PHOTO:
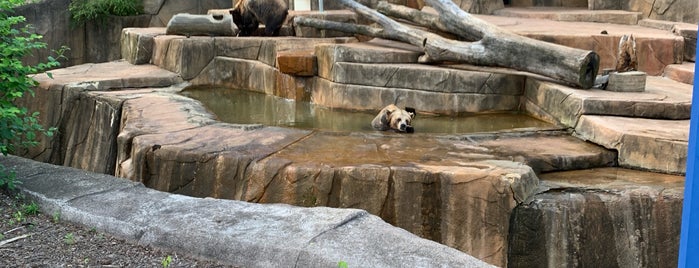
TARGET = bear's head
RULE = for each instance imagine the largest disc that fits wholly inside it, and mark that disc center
(245, 21)
(400, 120)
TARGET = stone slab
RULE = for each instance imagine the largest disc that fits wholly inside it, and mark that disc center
(427, 78)
(663, 99)
(681, 72)
(648, 144)
(71, 102)
(548, 3)
(655, 48)
(262, 235)
(572, 14)
(184, 56)
(251, 75)
(298, 62)
(137, 44)
(689, 33)
(109, 76)
(679, 10)
(375, 51)
(356, 97)
(638, 213)
(272, 46)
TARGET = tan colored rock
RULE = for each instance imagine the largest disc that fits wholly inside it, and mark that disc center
(638, 213)
(649, 144)
(663, 98)
(184, 56)
(689, 33)
(270, 47)
(375, 51)
(680, 11)
(573, 14)
(62, 102)
(427, 78)
(299, 63)
(234, 47)
(390, 187)
(137, 44)
(549, 3)
(87, 132)
(681, 72)
(250, 75)
(357, 97)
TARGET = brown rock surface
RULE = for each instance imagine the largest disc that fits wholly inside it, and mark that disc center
(599, 217)
(650, 144)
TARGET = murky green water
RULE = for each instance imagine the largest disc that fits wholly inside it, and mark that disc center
(246, 107)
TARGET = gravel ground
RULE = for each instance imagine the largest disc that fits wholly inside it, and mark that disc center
(31, 239)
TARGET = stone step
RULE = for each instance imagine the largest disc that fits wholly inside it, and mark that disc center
(681, 72)
(608, 217)
(687, 31)
(662, 99)
(571, 14)
(648, 144)
(548, 3)
(655, 48)
(427, 78)
(189, 56)
(358, 97)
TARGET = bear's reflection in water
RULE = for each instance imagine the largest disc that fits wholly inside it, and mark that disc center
(247, 107)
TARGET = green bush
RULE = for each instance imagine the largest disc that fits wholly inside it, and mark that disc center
(90, 10)
(18, 128)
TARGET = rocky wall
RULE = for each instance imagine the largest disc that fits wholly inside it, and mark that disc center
(602, 218)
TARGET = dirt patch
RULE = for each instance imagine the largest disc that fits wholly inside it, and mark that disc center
(32, 239)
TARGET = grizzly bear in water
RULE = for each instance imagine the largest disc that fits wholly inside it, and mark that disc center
(392, 117)
(247, 15)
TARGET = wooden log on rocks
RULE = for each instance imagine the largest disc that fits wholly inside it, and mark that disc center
(485, 45)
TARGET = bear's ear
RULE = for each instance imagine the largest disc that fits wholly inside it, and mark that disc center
(410, 111)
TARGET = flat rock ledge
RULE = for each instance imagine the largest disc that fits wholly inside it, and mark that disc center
(240, 233)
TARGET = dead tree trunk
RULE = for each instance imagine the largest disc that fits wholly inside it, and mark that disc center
(487, 44)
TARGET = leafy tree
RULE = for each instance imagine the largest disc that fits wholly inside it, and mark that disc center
(18, 128)
(91, 10)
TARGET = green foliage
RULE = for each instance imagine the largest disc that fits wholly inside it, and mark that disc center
(18, 128)
(8, 179)
(342, 264)
(31, 208)
(166, 261)
(18, 216)
(90, 10)
(69, 239)
(56, 217)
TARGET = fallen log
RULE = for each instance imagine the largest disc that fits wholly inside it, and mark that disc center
(487, 44)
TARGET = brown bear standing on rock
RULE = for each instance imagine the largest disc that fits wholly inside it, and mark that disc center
(247, 15)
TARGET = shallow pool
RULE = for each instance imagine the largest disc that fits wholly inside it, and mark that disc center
(247, 107)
